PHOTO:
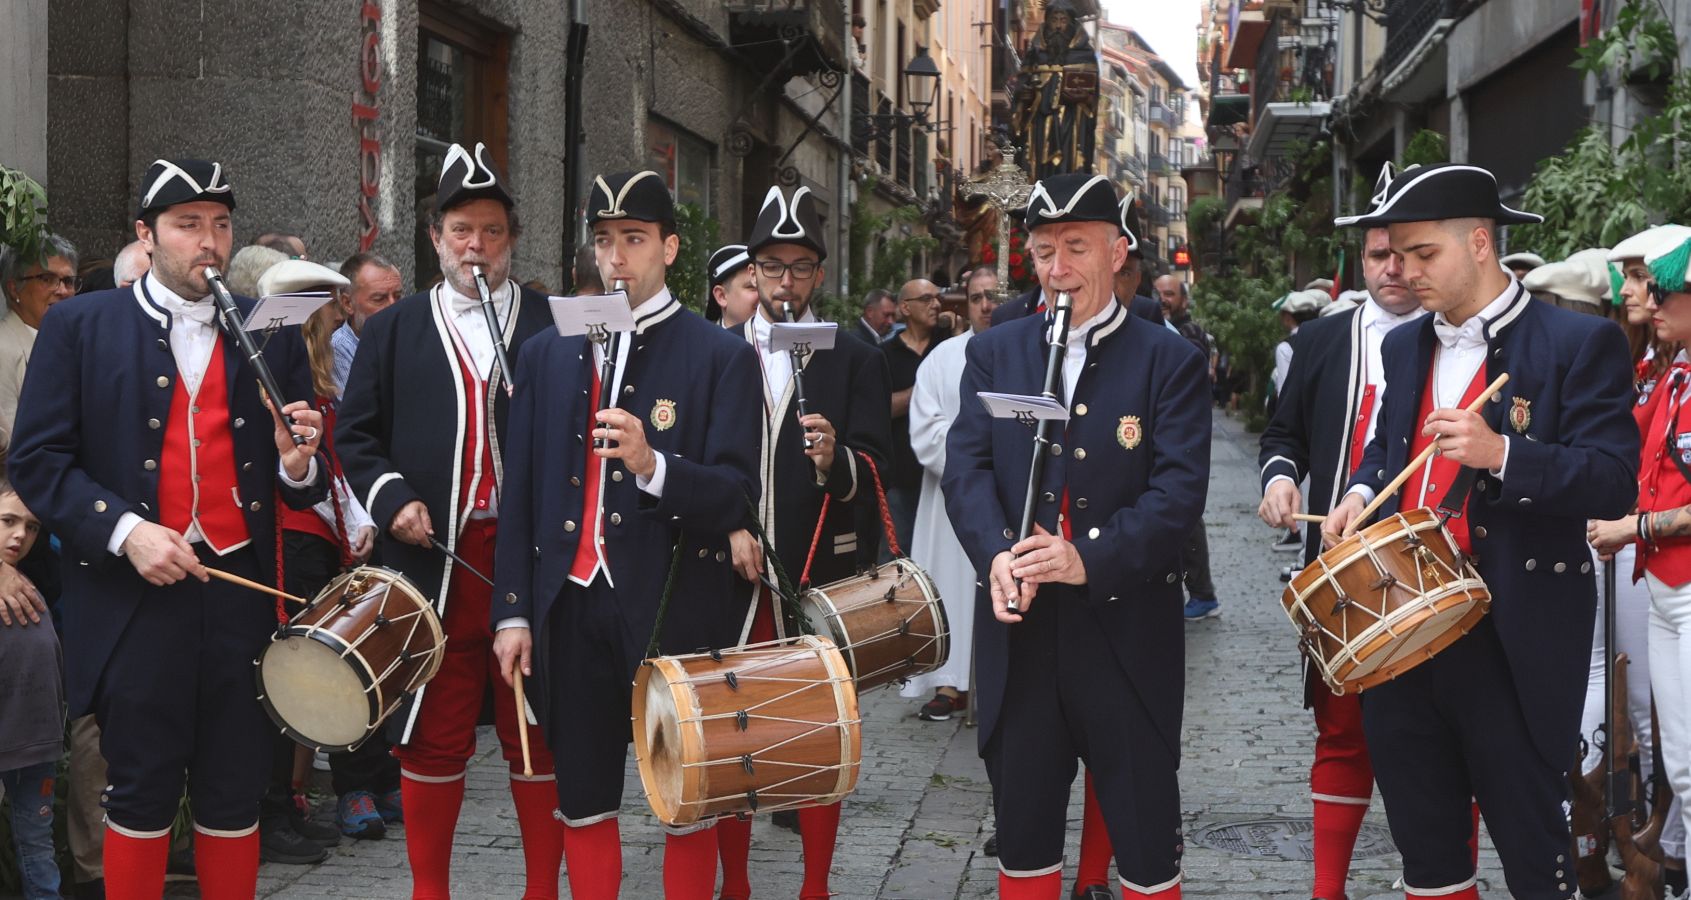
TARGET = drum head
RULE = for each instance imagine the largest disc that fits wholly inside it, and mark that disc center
(314, 692)
(658, 745)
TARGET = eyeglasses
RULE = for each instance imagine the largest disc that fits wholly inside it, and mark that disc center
(803, 270)
(921, 298)
(53, 279)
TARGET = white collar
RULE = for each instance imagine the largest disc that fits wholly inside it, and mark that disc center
(1477, 322)
(1375, 316)
(1101, 325)
(655, 309)
(455, 301)
(167, 298)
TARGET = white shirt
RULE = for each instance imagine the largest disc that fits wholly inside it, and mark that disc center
(1457, 357)
(1075, 359)
(193, 334)
(471, 322)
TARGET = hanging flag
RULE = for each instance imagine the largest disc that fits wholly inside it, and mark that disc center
(1338, 275)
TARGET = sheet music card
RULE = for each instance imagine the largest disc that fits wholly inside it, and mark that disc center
(276, 310)
(590, 313)
(1024, 408)
(805, 337)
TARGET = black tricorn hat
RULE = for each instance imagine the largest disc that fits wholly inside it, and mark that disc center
(1079, 197)
(1433, 193)
(725, 262)
(788, 221)
(173, 181)
(641, 196)
(467, 176)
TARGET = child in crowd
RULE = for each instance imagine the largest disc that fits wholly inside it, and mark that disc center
(32, 713)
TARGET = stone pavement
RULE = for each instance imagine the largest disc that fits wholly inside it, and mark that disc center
(914, 828)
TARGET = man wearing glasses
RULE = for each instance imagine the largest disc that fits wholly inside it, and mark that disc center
(918, 300)
(804, 460)
(31, 287)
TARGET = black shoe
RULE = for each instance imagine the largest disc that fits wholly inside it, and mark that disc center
(991, 846)
(91, 890)
(320, 833)
(786, 818)
(942, 707)
(1093, 892)
(1290, 542)
(280, 843)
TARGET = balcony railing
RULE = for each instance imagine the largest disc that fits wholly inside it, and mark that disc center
(1407, 21)
(1159, 114)
(1157, 164)
(1159, 214)
(767, 29)
(1292, 66)
(1243, 182)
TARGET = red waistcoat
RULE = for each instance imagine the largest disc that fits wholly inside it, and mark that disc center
(1427, 486)
(197, 468)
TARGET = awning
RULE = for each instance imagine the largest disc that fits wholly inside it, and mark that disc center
(1280, 125)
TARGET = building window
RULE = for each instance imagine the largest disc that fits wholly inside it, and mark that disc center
(462, 72)
(684, 161)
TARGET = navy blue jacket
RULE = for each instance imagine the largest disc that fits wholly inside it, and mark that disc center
(1576, 458)
(401, 427)
(706, 382)
(85, 448)
(1136, 491)
(1310, 432)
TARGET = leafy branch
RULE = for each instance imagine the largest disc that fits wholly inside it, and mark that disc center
(23, 214)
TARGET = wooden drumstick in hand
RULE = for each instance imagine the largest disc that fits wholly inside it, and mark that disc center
(1421, 459)
(522, 716)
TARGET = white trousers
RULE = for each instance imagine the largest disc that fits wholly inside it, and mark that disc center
(1670, 678)
(1632, 627)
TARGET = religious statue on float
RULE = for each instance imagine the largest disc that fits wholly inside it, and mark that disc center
(1055, 112)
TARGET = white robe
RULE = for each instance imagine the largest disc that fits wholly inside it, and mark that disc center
(933, 407)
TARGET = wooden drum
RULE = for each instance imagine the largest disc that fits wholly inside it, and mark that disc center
(890, 623)
(350, 659)
(753, 729)
(1384, 601)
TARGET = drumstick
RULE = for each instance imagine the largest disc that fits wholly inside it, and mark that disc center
(1422, 458)
(522, 715)
(265, 588)
(1306, 517)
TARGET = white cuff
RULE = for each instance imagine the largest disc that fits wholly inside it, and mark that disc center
(513, 622)
(310, 474)
(654, 484)
(1271, 482)
(125, 524)
(1366, 492)
(1503, 466)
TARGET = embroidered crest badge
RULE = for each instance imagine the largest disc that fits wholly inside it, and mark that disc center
(1520, 415)
(1129, 433)
(663, 415)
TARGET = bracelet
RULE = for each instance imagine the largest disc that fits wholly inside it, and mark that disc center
(1649, 529)
(1638, 526)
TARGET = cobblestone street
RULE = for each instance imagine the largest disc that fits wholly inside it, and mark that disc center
(914, 828)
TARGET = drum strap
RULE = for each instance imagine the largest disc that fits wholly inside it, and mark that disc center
(886, 521)
(663, 601)
(1456, 496)
(783, 588)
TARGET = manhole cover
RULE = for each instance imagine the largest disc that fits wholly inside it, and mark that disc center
(1286, 839)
